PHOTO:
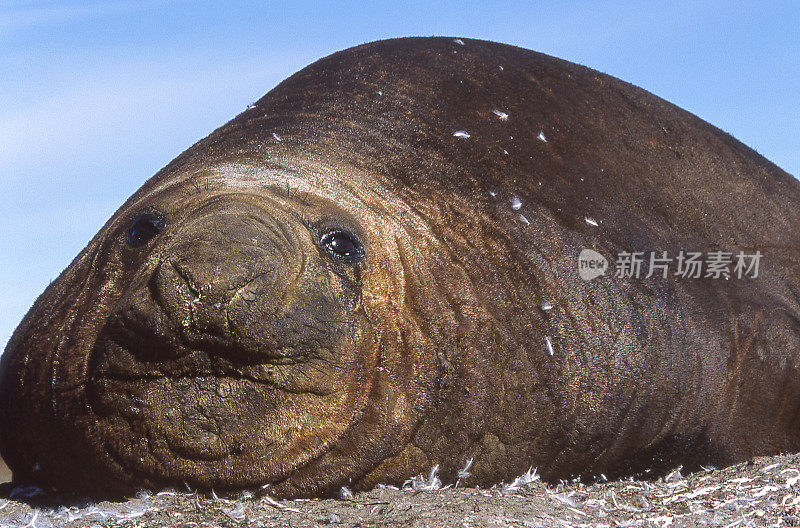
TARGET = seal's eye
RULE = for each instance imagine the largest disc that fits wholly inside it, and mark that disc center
(342, 244)
(144, 228)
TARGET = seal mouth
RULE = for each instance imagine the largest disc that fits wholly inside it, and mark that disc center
(119, 360)
(211, 410)
(127, 350)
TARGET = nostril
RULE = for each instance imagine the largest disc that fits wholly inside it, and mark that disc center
(174, 288)
(184, 274)
(192, 299)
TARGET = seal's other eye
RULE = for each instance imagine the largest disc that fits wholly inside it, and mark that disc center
(342, 244)
(144, 228)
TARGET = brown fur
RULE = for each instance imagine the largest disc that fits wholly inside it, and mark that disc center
(231, 351)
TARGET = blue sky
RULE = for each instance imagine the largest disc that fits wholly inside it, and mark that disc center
(97, 96)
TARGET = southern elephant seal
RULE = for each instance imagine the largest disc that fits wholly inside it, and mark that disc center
(374, 270)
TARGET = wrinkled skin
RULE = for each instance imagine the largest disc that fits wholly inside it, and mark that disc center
(232, 349)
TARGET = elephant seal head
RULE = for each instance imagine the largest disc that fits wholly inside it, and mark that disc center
(227, 334)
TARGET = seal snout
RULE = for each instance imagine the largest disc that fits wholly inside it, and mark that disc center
(211, 289)
(224, 278)
(218, 296)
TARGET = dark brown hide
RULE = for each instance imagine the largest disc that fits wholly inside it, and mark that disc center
(213, 334)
